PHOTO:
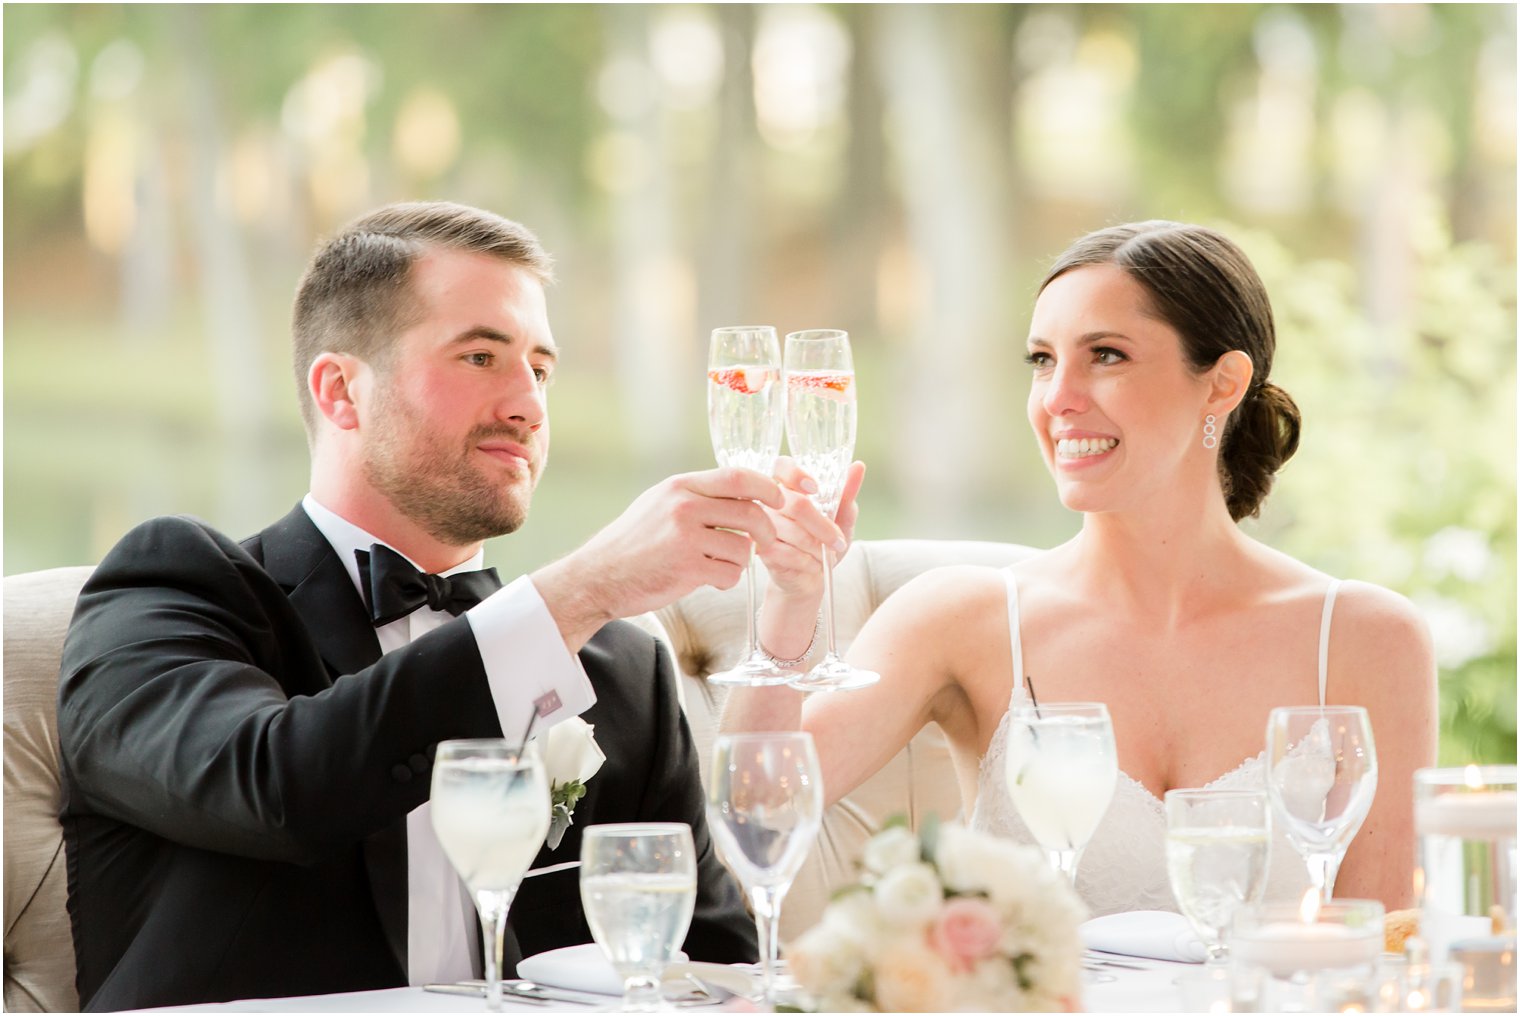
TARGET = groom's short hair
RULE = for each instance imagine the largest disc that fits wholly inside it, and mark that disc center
(355, 296)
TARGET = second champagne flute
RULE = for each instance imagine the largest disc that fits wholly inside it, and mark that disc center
(764, 806)
(490, 804)
(820, 431)
(744, 406)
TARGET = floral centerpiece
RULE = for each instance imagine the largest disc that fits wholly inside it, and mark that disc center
(949, 920)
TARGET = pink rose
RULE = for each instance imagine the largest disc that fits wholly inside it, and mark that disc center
(966, 930)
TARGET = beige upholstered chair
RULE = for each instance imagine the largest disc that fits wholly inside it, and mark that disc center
(39, 953)
(706, 631)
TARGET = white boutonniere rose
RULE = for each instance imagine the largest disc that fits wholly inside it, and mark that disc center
(571, 757)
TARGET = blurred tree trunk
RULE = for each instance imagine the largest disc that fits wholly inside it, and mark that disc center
(147, 258)
(861, 228)
(236, 347)
(957, 222)
(727, 240)
(649, 331)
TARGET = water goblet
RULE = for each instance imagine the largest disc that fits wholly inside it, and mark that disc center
(764, 806)
(639, 888)
(820, 432)
(1321, 778)
(745, 398)
(490, 810)
(1061, 768)
(1216, 856)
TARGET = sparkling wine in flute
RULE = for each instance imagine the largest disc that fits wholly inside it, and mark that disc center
(744, 415)
(820, 431)
(745, 399)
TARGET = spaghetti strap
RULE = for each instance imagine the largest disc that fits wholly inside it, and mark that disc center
(1324, 636)
(1013, 636)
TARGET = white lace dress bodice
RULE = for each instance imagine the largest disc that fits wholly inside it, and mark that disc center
(1124, 866)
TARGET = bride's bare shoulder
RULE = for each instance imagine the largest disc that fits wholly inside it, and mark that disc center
(949, 592)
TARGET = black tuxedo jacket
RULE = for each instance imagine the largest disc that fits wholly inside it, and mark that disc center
(238, 761)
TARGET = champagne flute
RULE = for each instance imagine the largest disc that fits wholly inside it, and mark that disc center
(490, 805)
(820, 431)
(764, 805)
(1321, 778)
(1061, 768)
(639, 888)
(1216, 856)
(744, 407)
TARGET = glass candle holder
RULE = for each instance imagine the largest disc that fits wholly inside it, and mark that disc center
(1310, 956)
(1465, 821)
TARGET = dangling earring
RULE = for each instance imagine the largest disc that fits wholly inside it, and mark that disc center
(1209, 440)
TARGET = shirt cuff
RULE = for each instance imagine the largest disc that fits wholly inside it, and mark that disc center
(527, 665)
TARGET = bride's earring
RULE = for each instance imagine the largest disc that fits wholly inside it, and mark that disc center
(1209, 440)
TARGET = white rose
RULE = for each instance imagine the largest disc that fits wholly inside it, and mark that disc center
(825, 962)
(909, 895)
(853, 916)
(889, 848)
(973, 862)
(570, 752)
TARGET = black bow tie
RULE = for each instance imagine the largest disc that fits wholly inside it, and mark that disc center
(393, 587)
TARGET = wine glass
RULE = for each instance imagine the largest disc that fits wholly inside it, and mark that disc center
(639, 888)
(490, 805)
(1321, 778)
(820, 431)
(1216, 855)
(1061, 768)
(744, 407)
(764, 806)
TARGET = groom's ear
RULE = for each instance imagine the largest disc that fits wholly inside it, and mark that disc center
(334, 382)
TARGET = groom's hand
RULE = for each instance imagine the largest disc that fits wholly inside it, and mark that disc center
(685, 532)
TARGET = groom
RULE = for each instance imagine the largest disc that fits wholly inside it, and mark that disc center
(248, 729)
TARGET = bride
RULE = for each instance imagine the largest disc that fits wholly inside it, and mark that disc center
(1150, 348)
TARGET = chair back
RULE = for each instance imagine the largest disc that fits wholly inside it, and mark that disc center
(39, 947)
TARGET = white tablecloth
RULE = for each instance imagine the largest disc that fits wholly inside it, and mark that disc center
(1148, 990)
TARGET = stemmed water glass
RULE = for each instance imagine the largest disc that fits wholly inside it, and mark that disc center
(820, 432)
(1321, 778)
(1216, 856)
(1061, 769)
(744, 417)
(639, 888)
(490, 806)
(764, 806)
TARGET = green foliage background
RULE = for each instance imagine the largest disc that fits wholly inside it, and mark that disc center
(168, 168)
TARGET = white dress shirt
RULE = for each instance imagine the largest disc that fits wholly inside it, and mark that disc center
(526, 663)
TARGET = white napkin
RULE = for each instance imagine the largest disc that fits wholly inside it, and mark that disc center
(579, 967)
(1153, 934)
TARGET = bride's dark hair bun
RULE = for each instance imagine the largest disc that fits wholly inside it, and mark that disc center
(1205, 288)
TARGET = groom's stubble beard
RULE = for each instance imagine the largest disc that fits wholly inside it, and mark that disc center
(433, 481)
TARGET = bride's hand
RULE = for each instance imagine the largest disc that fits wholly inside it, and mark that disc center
(792, 560)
